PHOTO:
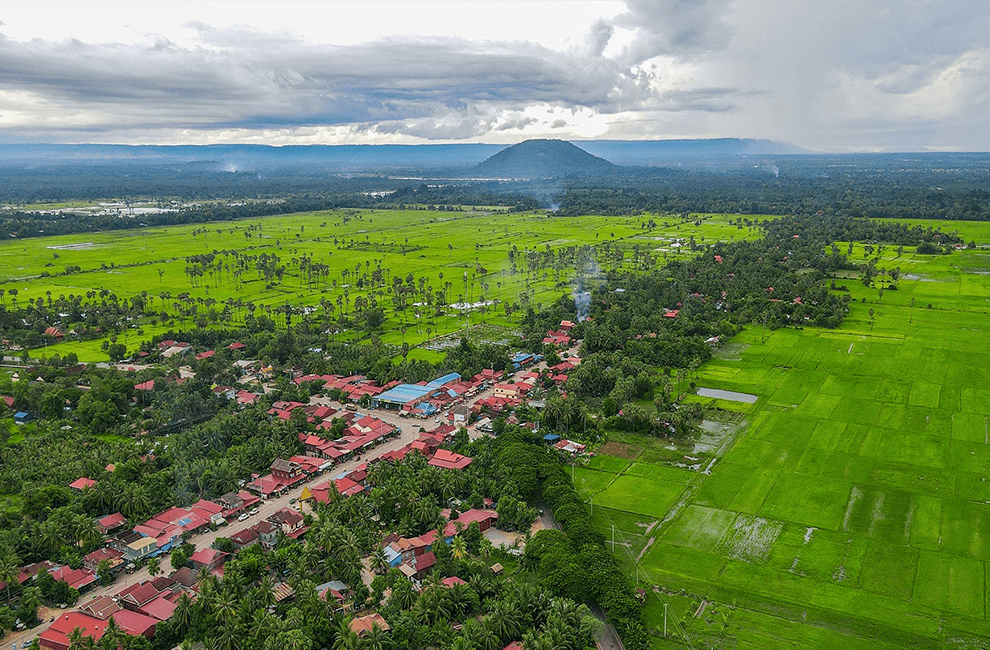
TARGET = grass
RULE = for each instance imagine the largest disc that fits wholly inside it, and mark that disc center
(853, 510)
(439, 247)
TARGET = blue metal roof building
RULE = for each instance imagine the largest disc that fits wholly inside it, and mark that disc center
(405, 393)
(443, 381)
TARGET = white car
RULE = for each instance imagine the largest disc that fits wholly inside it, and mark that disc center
(243, 517)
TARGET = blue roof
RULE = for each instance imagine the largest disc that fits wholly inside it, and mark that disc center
(403, 394)
(441, 381)
(551, 437)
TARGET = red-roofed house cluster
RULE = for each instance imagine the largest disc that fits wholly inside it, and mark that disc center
(354, 387)
(413, 556)
(361, 432)
(286, 521)
(136, 609)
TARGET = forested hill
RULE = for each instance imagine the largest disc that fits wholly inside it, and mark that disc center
(542, 159)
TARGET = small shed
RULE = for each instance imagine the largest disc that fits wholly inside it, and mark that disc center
(22, 417)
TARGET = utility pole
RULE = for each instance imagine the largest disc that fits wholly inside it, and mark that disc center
(613, 538)
(665, 620)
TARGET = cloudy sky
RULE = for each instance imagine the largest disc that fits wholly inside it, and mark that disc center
(829, 75)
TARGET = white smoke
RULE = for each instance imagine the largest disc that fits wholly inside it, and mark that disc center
(582, 303)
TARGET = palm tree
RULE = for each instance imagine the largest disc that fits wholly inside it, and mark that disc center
(228, 639)
(379, 563)
(30, 599)
(225, 606)
(112, 636)
(154, 567)
(182, 615)
(346, 639)
(458, 547)
(9, 570)
(504, 621)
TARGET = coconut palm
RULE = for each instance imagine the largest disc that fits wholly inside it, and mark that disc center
(346, 639)
(182, 615)
(112, 636)
(458, 547)
(9, 570)
(504, 621)
(379, 563)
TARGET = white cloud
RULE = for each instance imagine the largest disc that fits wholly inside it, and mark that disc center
(838, 75)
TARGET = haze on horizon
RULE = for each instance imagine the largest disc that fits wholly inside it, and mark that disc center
(836, 76)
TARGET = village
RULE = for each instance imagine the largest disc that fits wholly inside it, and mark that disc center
(122, 583)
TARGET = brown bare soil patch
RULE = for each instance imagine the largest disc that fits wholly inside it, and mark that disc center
(620, 449)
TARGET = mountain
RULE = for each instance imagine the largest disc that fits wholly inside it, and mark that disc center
(566, 158)
(542, 159)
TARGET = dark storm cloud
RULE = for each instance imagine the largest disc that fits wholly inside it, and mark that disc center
(835, 75)
(247, 79)
(679, 27)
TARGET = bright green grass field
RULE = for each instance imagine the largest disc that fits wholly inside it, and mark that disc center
(854, 510)
(437, 247)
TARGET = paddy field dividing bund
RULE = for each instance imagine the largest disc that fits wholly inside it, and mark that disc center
(849, 507)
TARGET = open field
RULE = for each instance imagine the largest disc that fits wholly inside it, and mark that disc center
(853, 510)
(438, 247)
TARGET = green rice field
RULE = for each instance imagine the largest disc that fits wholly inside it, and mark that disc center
(851, 508)
(439, 247)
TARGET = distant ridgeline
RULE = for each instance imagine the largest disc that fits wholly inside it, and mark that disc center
(657, 177)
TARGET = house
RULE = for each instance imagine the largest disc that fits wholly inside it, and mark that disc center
(110, 523)
(209, 558)
(56, 636)
(423, 563)
(267, 534)
(82, 483)
(140, 548)
(445, 459)
(363, 624)
(114, 557)
(137, 595)
(244, 538)
(460, 414)
(557, 338)
(54, 332)
(79, 579)
(161, 608)
(22, 417)
(570, 447)
(225, 391)
(288, 520)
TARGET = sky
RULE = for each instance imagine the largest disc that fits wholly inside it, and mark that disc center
(828, 75)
